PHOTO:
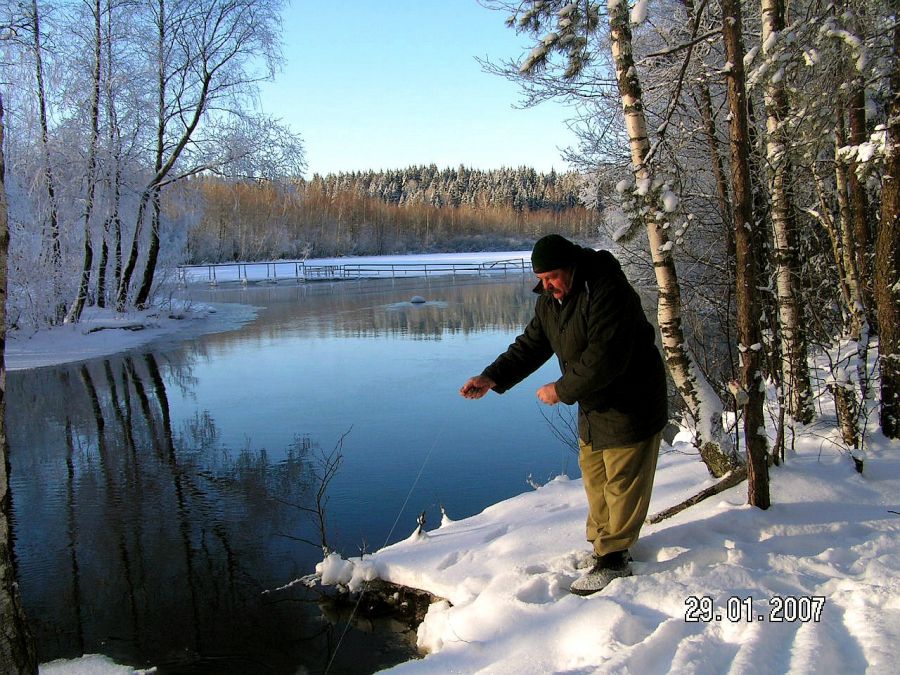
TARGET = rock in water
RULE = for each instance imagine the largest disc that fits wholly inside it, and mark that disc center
(417, 300)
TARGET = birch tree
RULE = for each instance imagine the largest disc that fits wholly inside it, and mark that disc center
(699, 396)
(77, 307)
(205, 53)
(112, 225)
(794, 369)
(573, 23)
(53, 253)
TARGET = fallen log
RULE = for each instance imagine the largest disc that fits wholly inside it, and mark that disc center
(129, 326)
(728, 481)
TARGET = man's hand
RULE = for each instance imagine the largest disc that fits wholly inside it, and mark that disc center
(476, 387)
(547, 394)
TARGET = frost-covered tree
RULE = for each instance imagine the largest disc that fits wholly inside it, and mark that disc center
(565, 29)
(205, 56)
(52, 249)
(91, 172)
(794, 355)
(817, 94)
(113, 102)
(836, 62)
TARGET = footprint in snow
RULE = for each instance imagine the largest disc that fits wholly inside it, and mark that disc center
(450, 560)
(495, 534)
(556, 508)
(535, 569)
(543, 589)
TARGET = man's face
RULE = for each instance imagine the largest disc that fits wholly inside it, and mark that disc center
(557, 282)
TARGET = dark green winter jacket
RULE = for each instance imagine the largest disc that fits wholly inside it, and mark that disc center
(605, 347)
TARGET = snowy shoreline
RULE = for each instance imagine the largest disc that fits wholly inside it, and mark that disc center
(103, 332)
(813, 583)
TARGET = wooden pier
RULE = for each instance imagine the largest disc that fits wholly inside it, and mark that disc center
(299, 271)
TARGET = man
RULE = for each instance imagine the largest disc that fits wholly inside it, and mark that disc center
(591, 318)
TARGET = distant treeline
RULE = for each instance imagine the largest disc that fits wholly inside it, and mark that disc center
(418, 209)
(520, 189)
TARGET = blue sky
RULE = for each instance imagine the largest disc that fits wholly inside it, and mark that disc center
(374, 84)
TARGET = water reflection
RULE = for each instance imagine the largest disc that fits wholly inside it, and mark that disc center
(333, 355)
(154, 493)
(379, 308)
(152, 543)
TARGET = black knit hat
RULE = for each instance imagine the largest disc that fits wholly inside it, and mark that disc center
(553, 252)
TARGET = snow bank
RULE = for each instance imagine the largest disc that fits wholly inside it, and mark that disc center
(92, 664)
(829, 542)
(103, 332)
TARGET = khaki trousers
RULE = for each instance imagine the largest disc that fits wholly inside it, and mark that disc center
(618, 482)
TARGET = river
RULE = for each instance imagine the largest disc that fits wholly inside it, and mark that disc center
(162, 496)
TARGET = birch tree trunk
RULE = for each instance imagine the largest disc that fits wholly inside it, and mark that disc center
(17, 652)
(846, 405)
(745, 236)
(698, 395)
(101, 267)
(52, 251)
(887, 263)
(131, 262)
(794, 367)
(826, 219)
(77, 307)
(114, 220)
(857, 313)
(143, 294)
(854, 319)
(859, 202)
(151, 191)
(153, 252)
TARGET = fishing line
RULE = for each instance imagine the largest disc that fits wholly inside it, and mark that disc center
(387, 539)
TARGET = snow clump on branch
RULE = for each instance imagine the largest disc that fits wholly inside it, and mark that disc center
(639, 13)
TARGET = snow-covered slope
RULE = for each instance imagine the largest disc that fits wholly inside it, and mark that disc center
(825, 560)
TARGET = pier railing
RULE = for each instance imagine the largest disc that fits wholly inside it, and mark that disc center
(300, 271)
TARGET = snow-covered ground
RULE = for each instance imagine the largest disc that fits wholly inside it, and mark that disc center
(812, 585)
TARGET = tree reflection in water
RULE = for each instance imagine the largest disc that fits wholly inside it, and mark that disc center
(154, 545)
(369, 308)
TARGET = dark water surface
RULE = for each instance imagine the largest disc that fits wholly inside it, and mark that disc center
(158, 494)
